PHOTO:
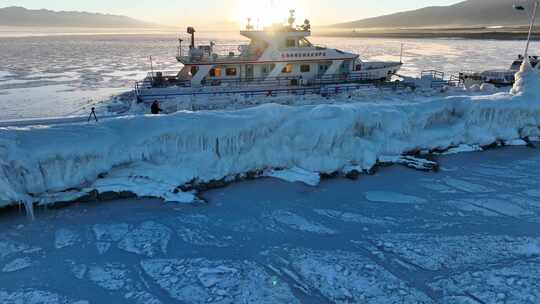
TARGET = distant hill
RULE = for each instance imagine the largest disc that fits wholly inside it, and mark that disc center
(19, 16)
(464, 14)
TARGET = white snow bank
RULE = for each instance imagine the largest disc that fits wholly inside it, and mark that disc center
(153, 155)
(296, 174)
(526, 84)
(463, 148)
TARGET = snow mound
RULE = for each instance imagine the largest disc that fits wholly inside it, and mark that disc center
(154, 155)
(527, 82)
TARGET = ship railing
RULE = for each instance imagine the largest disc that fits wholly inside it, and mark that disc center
(219, 53)
(215, 58)
(434, 74)
(162, 80)
(292, 82)
(266, 81)
(313, 47)
(345, 78)
(322, 90)
(162, 74)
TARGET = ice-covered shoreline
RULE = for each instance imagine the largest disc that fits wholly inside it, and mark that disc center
(154, 156)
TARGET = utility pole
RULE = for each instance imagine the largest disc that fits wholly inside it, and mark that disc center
(533, 19)
(531, 25)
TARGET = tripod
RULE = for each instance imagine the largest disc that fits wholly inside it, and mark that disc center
(93, 114)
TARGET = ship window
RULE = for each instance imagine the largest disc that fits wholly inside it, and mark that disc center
(287, 69)
(215, 72)
(305, 68)
(230, 71)
(290, 43)
(194, 70)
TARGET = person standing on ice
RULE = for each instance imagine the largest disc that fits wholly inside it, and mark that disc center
(155, 109)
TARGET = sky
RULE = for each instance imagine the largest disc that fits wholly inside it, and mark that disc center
(210, 12)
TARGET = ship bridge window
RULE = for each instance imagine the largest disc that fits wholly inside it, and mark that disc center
(290, 43)
(287, 69)
(230, 71)
(215, 72)
(305, 68)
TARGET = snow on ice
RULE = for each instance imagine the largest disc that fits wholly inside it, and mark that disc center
(205, 281)
(31, 296)
(437, 253)
(149, 239)
(345, 277)
(508, 284)
(17, 264)
(392, 197)
(65, 238)
(153, 156)
(297, 222)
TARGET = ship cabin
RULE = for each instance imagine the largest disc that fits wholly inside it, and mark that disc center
(276, 53)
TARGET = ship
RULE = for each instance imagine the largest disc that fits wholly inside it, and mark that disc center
(279, 59)
(502, 77)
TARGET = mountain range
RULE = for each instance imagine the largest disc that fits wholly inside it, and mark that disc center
(468, 13)
(19, 16)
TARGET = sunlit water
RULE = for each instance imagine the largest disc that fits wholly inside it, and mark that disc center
(63, 75)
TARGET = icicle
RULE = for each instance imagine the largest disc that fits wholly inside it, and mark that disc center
(29, 208)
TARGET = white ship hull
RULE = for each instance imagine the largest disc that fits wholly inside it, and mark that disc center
(380, 72)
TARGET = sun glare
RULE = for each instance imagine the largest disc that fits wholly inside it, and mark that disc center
(266, 12)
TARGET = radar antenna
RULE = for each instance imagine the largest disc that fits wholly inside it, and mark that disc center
(292, 19)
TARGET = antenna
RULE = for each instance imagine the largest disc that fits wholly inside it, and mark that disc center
(249, 27)
(401, 54)
(151, 68)
(292, 18)
(180, 47)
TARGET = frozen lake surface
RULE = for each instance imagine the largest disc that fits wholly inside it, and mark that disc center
(51, 76)
(467, 234)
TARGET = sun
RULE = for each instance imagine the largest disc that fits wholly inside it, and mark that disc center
(265, 12)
